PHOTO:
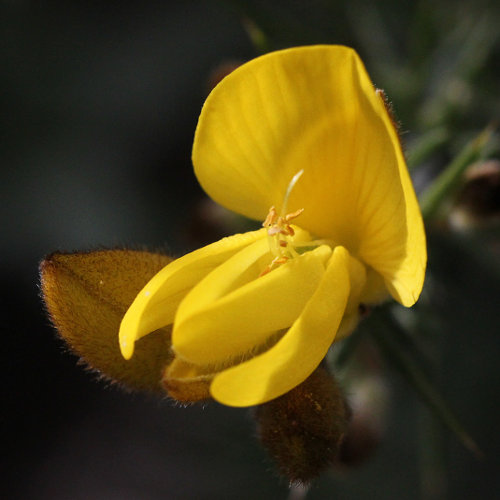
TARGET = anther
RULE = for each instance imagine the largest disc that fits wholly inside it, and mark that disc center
(276, 260)
(293, 215)
(271, 217)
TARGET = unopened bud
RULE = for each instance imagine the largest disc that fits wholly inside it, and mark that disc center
(478, 202)
(86, 296)
(302, 430)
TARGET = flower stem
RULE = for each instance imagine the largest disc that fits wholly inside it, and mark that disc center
(449, 180)
(385, 332)
(432, 456)
(423, 147)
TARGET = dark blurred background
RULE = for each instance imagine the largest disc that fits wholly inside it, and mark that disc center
(99, 106)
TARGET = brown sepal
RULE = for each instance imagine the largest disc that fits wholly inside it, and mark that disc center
(392, 115)
(187, 383)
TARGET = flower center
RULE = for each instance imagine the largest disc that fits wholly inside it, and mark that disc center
(279, 230)
(279, 233)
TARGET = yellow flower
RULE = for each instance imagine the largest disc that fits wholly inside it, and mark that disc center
(302, 130)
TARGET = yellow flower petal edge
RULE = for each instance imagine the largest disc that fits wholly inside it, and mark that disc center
(400, 258)
(315, 109)
(212, 326)
(156, 304)
(299, 352)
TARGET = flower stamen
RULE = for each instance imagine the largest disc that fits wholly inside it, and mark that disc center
(279, 230)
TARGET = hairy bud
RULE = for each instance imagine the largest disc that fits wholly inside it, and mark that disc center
(478, 202)
(86, 296)
(303, 429)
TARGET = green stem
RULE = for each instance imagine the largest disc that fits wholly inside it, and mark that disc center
(385, 332)
(423, 147)
(451, 177)
(432, 440)
(432, 456)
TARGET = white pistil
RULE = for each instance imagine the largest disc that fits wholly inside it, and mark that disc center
(289, 189)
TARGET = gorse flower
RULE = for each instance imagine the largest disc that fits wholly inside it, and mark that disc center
(301, 140)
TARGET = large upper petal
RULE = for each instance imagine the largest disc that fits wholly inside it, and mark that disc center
(299, 352)
(315, 109)
(156, 304)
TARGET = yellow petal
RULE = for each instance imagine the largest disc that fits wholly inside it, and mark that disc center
(156, 304)
(299, 352)
(223, 317)
(393, 241)
(357, 279)
(315, 109)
